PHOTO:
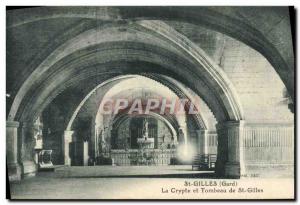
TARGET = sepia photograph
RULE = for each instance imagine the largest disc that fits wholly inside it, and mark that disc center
(150, 102)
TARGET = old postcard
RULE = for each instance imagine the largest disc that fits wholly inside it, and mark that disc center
(164, 102)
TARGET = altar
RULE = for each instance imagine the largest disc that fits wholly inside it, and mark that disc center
(148, 143)
(151, 157)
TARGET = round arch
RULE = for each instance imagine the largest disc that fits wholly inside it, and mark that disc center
(215, 18)
(109, 81)
(171, 123)
(193, 62)
(172, 85)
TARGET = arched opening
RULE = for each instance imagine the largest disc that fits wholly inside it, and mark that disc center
(96, 58)
(105, 130)
(226, 21)
(154, 58)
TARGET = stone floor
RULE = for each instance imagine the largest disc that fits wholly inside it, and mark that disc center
(174, 171)
(106, 182)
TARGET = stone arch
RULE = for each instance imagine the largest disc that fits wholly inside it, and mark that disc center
(172, 125)
(218, 79)
(113, 80)
(172, 85)
(167, 53)
(219, 19)
(179, 91)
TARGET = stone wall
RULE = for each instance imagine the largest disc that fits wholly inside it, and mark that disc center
(259, 87)
(269, 144)
(263, 143)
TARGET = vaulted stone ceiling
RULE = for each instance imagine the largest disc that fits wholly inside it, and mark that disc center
(23, 47)
(270, 23)
(54, 26)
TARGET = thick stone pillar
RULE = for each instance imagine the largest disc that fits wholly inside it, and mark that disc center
(202, 141)
(230, 159)
(67, 140)
(13, 168)
(29, 167)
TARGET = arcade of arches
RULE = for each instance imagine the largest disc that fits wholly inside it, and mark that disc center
(61, 66)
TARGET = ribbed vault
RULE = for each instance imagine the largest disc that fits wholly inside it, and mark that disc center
(114, 51)
(237, 22)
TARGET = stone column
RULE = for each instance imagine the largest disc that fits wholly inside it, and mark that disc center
(29, 167)
(230, 160)
(13, 167)
(68, 134)
(85, 153)
(93, 140)
(202, 141)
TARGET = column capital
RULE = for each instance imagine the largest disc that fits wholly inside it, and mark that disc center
(68, 135)
(182, 127)
(68, 132)
(27, 125)
(12, 124)
(230, 124)
(202, 131)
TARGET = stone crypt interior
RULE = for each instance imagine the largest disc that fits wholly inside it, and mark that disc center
(63, 62)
